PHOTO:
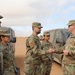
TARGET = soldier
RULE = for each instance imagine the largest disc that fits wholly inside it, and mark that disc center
(68, 63)
(34, 52)
(47, 60)
(6, 54)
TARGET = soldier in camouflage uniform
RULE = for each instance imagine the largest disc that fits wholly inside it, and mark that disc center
(34, 53)
(6, 55)
(68, 63)
(47, 60)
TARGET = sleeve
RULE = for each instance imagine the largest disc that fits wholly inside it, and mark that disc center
(42, 44)
(72, 53)
(51, 45)
(11, 52)
(35, 49)
(72, 49)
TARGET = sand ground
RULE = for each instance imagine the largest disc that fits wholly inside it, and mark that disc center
(20, 51)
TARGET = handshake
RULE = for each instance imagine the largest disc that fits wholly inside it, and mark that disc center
(51, 50)
(65, 52)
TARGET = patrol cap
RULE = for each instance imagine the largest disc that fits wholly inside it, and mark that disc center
(71, 22)
(37, 24)
(46, 33)
(5, 33)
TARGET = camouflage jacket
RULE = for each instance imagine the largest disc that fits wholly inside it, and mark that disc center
(70, 45)
(34, 52)
(45, 46)
(7, 56)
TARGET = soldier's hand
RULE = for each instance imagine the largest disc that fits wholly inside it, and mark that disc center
(51, 50)
(65, 52)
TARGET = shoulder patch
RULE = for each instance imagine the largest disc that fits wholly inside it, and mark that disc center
(31, 44)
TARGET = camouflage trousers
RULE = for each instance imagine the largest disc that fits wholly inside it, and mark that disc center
(32, 69)
(46, 68)
(9, 71)
(68, 69)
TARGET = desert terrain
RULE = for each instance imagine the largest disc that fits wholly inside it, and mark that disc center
(20, 51)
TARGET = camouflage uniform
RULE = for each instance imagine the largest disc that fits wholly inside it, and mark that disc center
(47, 60)
(68, 63)
(7, 59)
(33, 55)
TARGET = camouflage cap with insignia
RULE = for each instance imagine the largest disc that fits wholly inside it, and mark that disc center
(71, 22)
(46, 33)
(5, 33)
(37, 24)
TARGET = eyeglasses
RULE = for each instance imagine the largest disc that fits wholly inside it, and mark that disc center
(39, 28)
(70, 26)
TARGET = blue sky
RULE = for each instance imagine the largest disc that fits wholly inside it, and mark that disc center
(52, 14)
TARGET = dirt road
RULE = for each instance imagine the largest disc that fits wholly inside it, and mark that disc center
(20, 55)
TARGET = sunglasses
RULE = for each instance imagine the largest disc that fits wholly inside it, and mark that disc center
(39, 28)
(70, 26)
